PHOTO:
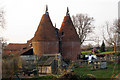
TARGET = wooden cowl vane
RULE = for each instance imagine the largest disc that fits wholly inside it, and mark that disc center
(70, 42)
(45, 40)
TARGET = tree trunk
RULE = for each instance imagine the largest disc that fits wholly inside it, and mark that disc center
(114, 47)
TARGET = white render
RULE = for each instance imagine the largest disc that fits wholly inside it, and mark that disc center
(118, 39)
(0, 60)
(119, 9)
(28, 57)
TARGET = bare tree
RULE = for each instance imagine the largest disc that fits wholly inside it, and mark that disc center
(2, 26)
(11, 65)
(83, 25)
(111, 38)
(2, 41)
(117, 30)
(2, 19)
(117, 25)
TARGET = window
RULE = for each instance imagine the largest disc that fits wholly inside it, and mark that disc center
(30, 44)
(62, 33)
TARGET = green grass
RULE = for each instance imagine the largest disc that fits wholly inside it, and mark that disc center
(107, 52)
(100, 73)
(86, 52)
(89, 52)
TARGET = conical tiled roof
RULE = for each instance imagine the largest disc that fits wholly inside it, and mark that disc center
(45, 40)
(67, 30)
(46, 30)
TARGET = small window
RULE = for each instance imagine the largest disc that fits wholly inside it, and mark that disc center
(56, 32)
(62, 33)
(30, 44)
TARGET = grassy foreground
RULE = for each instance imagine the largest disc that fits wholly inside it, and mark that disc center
(89, 52)
(99, 73)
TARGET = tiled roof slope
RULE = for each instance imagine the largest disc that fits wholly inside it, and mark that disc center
(15, 46)
(45, 31)
(68, 29)
(46, 60)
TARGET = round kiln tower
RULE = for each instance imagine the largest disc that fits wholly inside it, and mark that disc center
(70, 43)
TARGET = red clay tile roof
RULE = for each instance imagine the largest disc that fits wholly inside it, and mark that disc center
(68, 29)
(23, 51)
(45, 31)
(29, 43)
(15, 46)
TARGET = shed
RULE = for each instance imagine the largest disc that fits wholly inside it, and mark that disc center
(47, 65)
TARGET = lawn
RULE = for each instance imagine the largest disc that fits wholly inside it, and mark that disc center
(86, 52)
(107, 52)
(83, 71)
(89, 52)
(100, 73)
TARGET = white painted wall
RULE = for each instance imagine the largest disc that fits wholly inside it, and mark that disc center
(28, 57)
(118, 44)
(119, 9)
(0, 60)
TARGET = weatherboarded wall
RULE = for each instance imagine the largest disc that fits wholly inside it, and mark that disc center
(45, 47)
(70, 50)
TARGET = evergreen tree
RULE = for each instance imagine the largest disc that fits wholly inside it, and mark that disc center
(102, 48)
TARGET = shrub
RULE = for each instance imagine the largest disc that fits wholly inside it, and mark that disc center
(102, 48)
(67, 61)
(74, 76)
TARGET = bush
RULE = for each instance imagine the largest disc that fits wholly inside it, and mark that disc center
(70, 76)
(74, 76)
(67, 61)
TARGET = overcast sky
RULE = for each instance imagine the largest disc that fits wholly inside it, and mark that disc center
(23, 16)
